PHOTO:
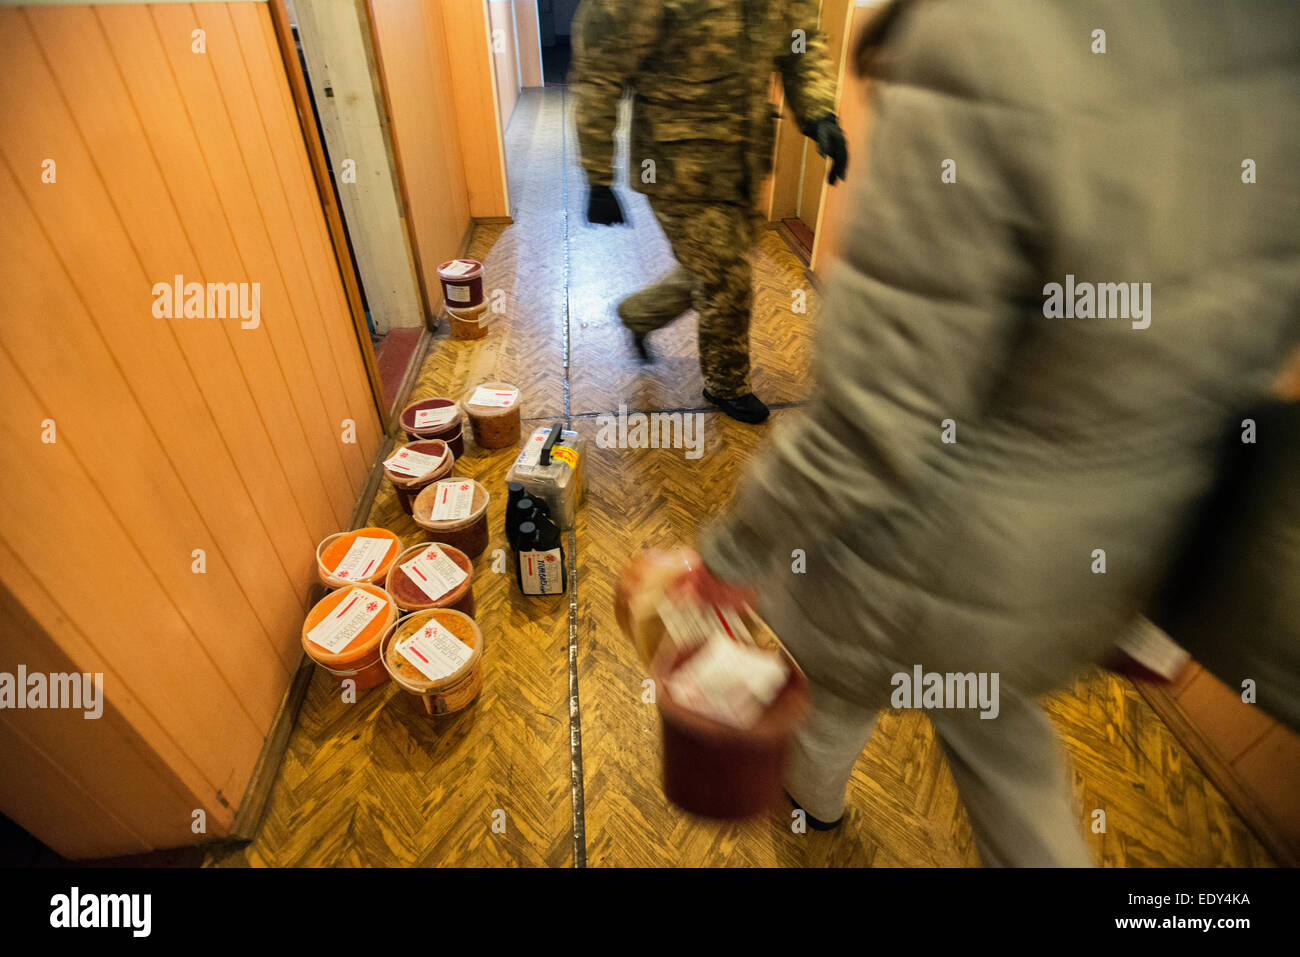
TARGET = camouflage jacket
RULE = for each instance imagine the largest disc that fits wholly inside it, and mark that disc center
(699, 71)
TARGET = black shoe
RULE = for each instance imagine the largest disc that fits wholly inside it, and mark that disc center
(746, 408)
(642, 348)
(815, 823)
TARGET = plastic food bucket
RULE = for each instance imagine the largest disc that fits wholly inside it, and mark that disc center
(408, 488)
(452, 692)
(469, 534)
(360, 658)
(494, 426)
(462, 282)
(371, 568)
(409, 596)
(449, 431)
(718, 771)
(471, 323)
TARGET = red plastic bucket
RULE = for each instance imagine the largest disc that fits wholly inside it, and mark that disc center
(718, 771)
(462, 282)
(408, 594)
(449, 429)
(408, 487)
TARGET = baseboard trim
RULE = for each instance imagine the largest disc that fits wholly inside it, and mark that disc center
(1220, 772)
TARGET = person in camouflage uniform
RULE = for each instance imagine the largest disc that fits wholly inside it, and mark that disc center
(701, 145)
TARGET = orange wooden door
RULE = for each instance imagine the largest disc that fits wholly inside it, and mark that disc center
(165, 536)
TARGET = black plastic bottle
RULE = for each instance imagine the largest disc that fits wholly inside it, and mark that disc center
(526, 509)
(540, 568)
(514, 492)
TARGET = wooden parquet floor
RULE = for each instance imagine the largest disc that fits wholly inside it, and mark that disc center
(377, 783)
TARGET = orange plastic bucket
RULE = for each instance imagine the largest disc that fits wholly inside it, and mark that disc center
(357, 557)
(412, 594)
(446, 693)
(352, 631)
(716, 770)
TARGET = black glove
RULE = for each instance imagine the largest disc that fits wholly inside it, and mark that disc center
(829, 138)
(603, 208)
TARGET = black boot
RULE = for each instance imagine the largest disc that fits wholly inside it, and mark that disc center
(815, 823)
(642, 348)
(747, 408)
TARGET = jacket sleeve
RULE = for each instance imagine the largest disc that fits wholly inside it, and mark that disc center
(611, 38)
(807, 76)
(920, 316)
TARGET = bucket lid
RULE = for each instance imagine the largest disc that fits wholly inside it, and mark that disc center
(422, 508)
(402, 585)
(433, 447)
(355, 556)
(460, 269)
(404, 671)
(342, 607)
(432, 403)
(497, 392)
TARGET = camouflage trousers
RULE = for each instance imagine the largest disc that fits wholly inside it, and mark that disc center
(712, 243)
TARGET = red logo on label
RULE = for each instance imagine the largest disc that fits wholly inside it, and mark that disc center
(550, 558)
(372, 606)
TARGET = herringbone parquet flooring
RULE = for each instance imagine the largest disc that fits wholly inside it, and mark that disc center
(378, 783)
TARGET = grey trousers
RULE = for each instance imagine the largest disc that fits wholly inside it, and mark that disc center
(1009, 771)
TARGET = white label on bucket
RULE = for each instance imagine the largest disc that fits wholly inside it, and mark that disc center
(357, 609)
(434, 572)
(458, 267)
(458, 293)
(541, 572)
(493, 398)
(363, 558)
(412, 463)
(453, 499)
(435, 651)
(729, 682)
(432, 418)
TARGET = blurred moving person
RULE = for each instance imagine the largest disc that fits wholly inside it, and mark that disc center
(701, 145)
(988, 480)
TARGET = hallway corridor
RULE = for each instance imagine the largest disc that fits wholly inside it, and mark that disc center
(560, 739)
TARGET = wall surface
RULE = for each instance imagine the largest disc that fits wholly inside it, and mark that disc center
(128, 158)
(473, 97)
(412, 48)
(529, 39)
(853, 111)
(505, 58)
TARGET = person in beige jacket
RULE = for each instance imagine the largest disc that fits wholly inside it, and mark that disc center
(1073, 259)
